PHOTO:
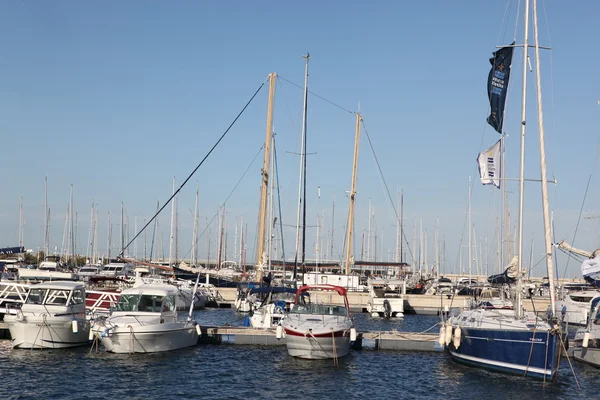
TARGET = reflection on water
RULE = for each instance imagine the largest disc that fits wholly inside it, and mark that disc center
(253, 372)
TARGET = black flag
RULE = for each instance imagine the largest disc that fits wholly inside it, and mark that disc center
(498, 85)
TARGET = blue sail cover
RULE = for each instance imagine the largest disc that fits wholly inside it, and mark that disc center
(12, 250)
(590, 269)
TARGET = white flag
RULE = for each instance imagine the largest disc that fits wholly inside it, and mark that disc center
(489, 165)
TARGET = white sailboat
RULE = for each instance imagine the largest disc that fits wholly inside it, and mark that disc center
(519, 343)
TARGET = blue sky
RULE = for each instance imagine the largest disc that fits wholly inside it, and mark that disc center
(117, 98)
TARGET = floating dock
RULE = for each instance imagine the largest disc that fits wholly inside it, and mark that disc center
(378, 340)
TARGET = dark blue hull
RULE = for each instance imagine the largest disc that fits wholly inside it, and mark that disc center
(526, 353)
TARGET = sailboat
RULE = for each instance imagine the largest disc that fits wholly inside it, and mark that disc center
(519, 343)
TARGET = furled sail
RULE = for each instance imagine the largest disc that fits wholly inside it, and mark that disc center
(508, 276)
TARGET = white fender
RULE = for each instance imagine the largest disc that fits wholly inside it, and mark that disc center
(457, 333)
(586, 339)
(74, 326)
(279, 332)
(91, 335)
(442, 335)
(198, 330)
(448, 337)
(353, 334)
(237, 304)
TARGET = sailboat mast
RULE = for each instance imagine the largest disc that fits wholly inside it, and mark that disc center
(72, 228)
(122, 232)
(21, 221)
(401, 226)
(470, 232)
(46, 218)
(172, 232)
(302, 162)
(332, 228)
(264, 188)
(519, 310)
(545, 206)
(351, 196)
(195, 233)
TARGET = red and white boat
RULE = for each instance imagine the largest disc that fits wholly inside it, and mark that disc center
(315, 330)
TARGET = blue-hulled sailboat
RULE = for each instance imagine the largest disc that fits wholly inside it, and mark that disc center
(516, 342)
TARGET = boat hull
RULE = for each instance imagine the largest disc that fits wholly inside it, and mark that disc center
(148, 338)
(535, 354)
(591, 353)
(37, 332)
(317, 347)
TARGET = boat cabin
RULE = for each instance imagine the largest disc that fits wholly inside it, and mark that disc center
(147, 299)
(56, 294)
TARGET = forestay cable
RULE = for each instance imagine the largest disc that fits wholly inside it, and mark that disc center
(195, 169)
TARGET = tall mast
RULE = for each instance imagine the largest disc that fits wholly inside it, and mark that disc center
(95, 251)
(46, 218)
(109, 238)
(265, 180)
(90, 246)
(519, 311)
(401, 226)
(352, 194)
(271, 207)
(397, 252)
(470, 232)
(21, 221)
(302, 168)
(332, 228)
(195, 233)
(545, 206)
(72, 228)
(172, 234)
(122, 231)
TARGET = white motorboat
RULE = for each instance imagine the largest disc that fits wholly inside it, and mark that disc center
(587, 340)
(315, 330)
(53, 316)
(386, 297)
(145, 320)
(574, 306)
(273, 307)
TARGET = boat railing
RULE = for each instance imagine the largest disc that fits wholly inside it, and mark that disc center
(11, 293)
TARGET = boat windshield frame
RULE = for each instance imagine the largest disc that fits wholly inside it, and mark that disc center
(151, 303)
(319, 309)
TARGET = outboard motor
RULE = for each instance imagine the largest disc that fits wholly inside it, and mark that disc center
(387, 307)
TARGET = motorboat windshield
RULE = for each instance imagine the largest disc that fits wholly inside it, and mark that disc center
(319, 309)
(145, 303)
(55, 297)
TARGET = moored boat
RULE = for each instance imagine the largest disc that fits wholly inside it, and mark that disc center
(53, 316)
(145, 320)
(587, 340)
(315, 330)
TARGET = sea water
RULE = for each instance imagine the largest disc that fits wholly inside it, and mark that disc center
(229, 371)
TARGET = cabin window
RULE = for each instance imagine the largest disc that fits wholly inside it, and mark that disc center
(150, 303)
(57, 297)
(36, 296)
(168, 304)
(128, 302)
(78, 297)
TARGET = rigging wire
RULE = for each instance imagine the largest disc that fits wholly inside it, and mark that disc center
(226, 199)
(387, 190)
(195, 169)
(316, 95)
